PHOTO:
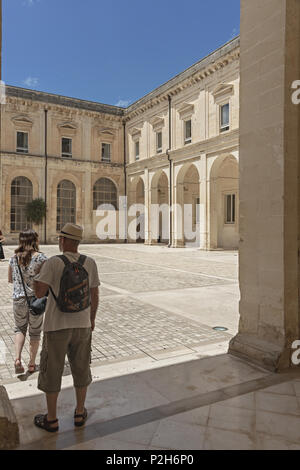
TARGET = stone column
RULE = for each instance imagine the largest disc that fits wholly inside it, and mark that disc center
(147, 202)
(269, 183)
(203, 203)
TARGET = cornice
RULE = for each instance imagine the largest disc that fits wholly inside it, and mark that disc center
(200, 72)
(64, 110)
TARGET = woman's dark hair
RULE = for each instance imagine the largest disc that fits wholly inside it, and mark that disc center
(1, 233)
(28, 244)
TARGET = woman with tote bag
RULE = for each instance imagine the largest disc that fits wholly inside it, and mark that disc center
(23, 267)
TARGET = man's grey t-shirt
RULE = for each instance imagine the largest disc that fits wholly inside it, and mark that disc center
(51, 274)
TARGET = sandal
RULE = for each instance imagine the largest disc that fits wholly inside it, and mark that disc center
(19, 369)
(41, 422)
(32, 368)
(82, 416)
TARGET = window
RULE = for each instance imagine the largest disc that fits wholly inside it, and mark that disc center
(22, 142)
(66, 147)
(230, 209)
(137, 150)
(66, 204)
(158, 142)
(188, 131)
(106, 153)
(224, 117)
(21, 193)
(104, 192)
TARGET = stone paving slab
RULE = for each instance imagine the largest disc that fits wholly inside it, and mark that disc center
(160, 281)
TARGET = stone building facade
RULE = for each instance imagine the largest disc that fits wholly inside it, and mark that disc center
(178, 147)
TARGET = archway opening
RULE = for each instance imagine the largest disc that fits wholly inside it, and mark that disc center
(160, 211)
(224, 204)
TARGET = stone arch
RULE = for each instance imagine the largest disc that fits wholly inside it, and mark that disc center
(223, 202)
(159, 209)
(187, 193)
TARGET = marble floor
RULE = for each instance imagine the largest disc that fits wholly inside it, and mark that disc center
(217, 402)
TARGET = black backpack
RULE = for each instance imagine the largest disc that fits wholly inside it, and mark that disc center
(74, 291)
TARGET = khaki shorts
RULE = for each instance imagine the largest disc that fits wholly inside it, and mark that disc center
(76, 344)
(23, 319)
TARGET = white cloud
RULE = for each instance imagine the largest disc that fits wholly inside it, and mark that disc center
(123, 103)
(31, 82)
(30, 3)
(235, 32)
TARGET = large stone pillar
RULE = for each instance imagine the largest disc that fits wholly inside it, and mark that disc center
(269, 183)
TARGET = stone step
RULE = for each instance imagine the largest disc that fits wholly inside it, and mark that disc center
(9, 430)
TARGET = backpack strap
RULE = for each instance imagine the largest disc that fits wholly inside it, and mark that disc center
(81, 259)
(64, 259)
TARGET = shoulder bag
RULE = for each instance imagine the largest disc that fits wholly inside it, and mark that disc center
(36, 306)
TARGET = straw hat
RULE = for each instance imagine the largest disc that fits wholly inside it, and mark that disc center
(72, 231)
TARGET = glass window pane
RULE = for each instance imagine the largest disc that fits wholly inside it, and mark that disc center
(21, 194)
(188, 129)
(159, 141)
(225, 115)
(66, 204)
(22, 142)
(104, 192)
(106, 152)
(66, 147)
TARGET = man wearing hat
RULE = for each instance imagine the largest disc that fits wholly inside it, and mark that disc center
(66, 333)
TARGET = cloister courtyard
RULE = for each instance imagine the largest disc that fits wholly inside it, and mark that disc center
(155, 303)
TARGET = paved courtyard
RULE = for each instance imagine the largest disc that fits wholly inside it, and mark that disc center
(154, 302)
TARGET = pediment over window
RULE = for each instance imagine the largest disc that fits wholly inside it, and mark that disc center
(186, 109)
(135, 132)
(157, 122)
(222, 91)
(106, 131)
(22, 121)
(67, 128)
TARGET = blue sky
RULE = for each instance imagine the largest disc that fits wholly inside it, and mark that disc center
(111, 51)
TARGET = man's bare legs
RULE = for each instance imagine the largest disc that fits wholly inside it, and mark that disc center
(80, 398)
(52, 406)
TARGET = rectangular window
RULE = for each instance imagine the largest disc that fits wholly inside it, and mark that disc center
(224, 117)
(159, 142)
(22, 142)
(188, 131)
(106, 153)
(137, 150)
(66, 145)
(230, 208)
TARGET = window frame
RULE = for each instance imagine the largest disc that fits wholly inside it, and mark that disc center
(159, 148)
(66, 154)
(224, 128)
(233, 211)
(137, 155)
(104, 160)
(105, 193)
(18, 217)
(24, 150)
(187, 140)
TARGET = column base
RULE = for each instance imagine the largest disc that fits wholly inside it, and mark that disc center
(178, 244)
(262, 353)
